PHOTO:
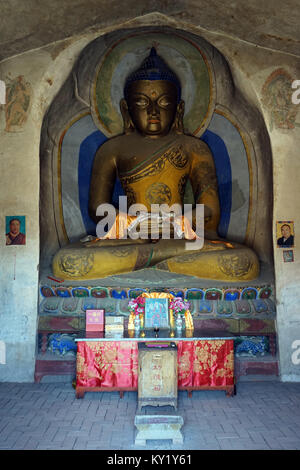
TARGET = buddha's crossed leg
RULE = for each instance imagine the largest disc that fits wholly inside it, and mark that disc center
(219, 263)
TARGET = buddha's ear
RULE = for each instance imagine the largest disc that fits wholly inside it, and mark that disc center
(178, 121)
(127, 122)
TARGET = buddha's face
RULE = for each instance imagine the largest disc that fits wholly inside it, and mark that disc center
(152, 106)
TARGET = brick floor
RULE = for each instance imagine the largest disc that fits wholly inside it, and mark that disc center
(263, 415)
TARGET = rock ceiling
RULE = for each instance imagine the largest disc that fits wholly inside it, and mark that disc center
(30, 24)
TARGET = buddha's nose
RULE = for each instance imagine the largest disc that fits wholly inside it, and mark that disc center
(153, 109)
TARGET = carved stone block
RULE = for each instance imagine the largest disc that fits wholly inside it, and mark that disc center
(158, 427)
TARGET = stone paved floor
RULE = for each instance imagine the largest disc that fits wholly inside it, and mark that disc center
(263, 415)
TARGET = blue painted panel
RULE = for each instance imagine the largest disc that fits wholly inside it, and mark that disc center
(223, 170)
(88, 149)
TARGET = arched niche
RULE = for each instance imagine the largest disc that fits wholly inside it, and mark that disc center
(85, 113)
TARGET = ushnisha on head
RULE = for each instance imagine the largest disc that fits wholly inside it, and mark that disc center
(152, 102)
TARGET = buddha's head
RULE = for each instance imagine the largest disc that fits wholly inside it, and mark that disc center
(152, 99)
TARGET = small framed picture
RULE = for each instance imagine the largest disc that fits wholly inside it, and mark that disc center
(15, 230)
(157, 313)
(285, 233)
(288, 256)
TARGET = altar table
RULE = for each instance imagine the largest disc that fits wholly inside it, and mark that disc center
(205, 361)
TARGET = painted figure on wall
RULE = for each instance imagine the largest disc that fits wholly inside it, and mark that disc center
(17, 104)
(154, 160)
(277, 97)
(14, 236)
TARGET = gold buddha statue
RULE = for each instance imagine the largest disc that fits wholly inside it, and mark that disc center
(154, 159)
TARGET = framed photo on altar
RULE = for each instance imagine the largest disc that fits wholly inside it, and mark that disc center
(157, 313)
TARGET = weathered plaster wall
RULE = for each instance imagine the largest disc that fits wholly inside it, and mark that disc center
(27, 26)
(20, 175)
(252, 67)
(46, 70)
(256, 65)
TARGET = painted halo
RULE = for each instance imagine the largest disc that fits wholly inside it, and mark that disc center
(183, 56)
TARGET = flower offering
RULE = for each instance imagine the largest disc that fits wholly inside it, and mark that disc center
(137, 306)
(179, 306)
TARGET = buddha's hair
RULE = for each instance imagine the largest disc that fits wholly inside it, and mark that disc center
(153, 68)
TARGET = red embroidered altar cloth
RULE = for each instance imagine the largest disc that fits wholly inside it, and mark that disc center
(107, 364)
(205, 363)
(114, 364)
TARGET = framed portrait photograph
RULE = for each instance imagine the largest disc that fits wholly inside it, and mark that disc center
(288, 256)
(285, 233)
(157, 313)
(15, 232)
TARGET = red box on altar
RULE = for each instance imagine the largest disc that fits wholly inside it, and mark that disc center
(94, 320)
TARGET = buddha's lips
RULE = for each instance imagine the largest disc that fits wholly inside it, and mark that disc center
(154, 121)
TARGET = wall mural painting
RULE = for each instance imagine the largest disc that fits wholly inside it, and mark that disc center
(18, 98)
(15, 230)
(277, 97)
